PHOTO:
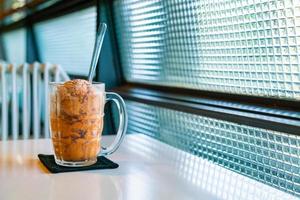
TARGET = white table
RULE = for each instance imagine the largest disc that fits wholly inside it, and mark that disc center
(148, 169)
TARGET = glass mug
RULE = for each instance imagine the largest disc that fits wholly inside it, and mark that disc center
(76, 123)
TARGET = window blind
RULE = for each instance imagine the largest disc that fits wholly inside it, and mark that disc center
(242, 47)
(15, 46)
(68, 40)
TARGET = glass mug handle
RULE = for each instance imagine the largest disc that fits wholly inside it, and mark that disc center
(118, 100)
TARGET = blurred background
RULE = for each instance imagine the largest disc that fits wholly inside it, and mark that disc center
(52, 31)
(219, 79)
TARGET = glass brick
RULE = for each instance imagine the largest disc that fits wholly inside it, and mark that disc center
(268, 156)
(194, 44)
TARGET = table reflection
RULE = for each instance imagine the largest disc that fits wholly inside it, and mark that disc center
(20, 158)
(203, 174)
(148, 169)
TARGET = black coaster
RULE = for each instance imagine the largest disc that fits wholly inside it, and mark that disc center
(102, 163)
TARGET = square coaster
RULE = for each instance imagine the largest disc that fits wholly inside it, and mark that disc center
(50, 164)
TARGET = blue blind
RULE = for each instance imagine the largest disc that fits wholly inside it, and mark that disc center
(68, 40)
(14, 43)
(233, 46)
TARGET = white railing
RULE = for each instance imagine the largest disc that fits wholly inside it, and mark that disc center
(24, 92)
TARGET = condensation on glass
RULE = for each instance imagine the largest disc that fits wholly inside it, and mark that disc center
(267, 156)
(244, 47)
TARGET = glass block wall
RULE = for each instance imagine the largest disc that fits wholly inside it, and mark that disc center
(267, 156)
(234, 46)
